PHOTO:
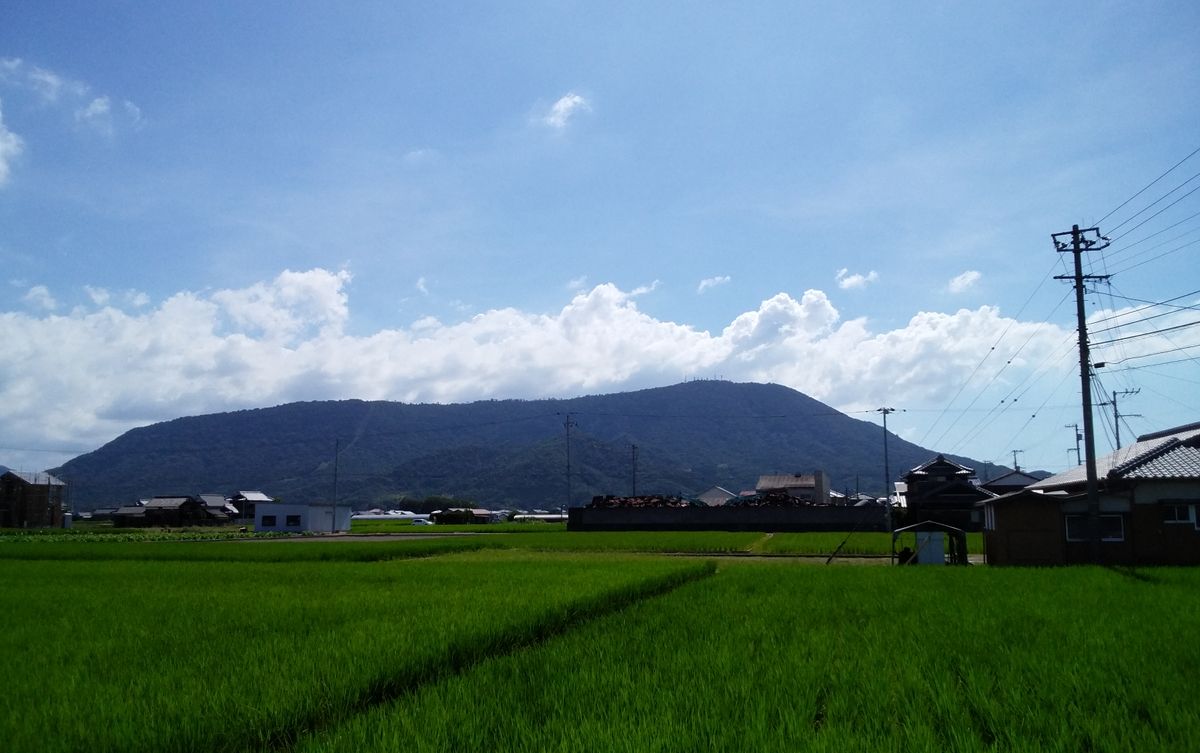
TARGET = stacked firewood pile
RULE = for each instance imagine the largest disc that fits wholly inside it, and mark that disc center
(645, 500)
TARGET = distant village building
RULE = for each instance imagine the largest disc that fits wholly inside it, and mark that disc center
(31, 500)
(811, 488)
(1149, 509)
(245, 502)
(1010, 482)
(943, 491)
(317, 517)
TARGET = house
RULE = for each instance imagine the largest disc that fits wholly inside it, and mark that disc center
(811, 489)
(245, 503)
(316, 517)
(944, 491)
(129, 516)
(178, 510)
(31, 500)
(217, 506)
(1149, 494)
(1010, 482)
(716, 496)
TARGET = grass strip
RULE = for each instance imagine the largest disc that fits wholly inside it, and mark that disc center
(291, 550)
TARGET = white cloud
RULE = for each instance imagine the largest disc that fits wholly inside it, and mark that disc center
(964, 282)
(10, 146)
(847, 281)
(99, 296)
(422, 286)
(644, 289)
(712, 282)
(68, 378)
(577, 283)
(39, 297)
(136, 298)
(561, 112)
(52, 89)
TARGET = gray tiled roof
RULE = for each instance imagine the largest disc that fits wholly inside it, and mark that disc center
(1174, 463)
(1125, 458)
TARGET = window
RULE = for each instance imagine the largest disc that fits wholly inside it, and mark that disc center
(268, 521)
(1174, 513)
(293, 521)
(1112, 528)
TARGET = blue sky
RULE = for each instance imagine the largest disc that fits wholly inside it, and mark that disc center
(224, 205)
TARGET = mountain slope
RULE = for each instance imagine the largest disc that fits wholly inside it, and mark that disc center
(499, 452)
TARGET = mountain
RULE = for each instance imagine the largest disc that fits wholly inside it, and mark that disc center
(689, 437)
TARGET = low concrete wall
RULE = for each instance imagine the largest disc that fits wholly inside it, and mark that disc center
(765, 519)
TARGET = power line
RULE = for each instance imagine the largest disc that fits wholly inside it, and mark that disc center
(1168, 206)
(1146, 334)
(1148, 186)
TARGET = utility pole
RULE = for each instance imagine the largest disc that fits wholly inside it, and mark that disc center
(1078, 437)
(887, 472)
(1016, 467)
(1080, 241)
(568, 424)
(633, 485)
(1117, 415)
(333, 522)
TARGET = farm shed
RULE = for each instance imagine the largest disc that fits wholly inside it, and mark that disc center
(1149, 500)
(461, 515)
(811, 488)
(301, 518)
(31, 500)
(944, 491)
(179, 510)
(930, 533)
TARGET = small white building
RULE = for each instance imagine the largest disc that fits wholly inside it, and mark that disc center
(317, 517)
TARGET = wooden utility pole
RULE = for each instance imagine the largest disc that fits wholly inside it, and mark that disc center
(568, 424)
(887, 473)
(1080, 241)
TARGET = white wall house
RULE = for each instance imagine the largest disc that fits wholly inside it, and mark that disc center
(296, 518)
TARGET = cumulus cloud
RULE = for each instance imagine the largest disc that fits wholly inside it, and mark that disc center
(712, 282)
(964, 282)
(99, 296)
(68, 378)
(847, 281)
(39, 297)
(561, 112)
(10, 147)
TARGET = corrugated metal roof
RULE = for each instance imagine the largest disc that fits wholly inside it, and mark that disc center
(785, 481)
(1126, 458)
(38, 479)
(255, 497)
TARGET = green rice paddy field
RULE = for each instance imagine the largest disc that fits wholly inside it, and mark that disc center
(527, 645)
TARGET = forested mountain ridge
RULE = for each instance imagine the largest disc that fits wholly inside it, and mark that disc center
(689, 437)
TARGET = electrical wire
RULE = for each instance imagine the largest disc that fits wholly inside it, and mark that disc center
(1147, 186)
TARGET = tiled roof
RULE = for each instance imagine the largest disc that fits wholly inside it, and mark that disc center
(1123, 460)
(1178, 462)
